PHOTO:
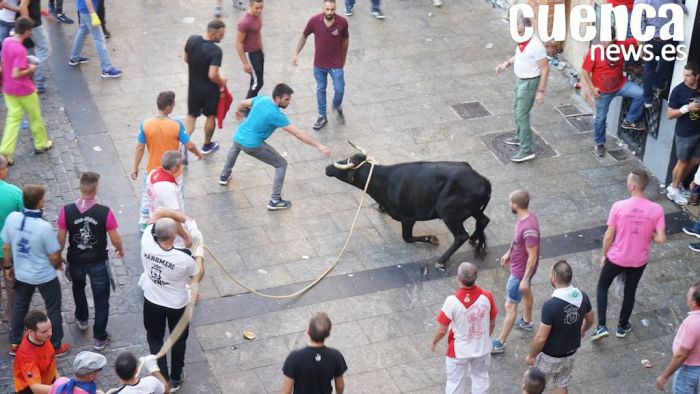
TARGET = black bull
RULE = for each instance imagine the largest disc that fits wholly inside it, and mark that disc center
(418, 191)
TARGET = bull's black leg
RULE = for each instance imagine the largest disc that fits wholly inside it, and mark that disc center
(479, 236)
(461, 235)
(407, 233)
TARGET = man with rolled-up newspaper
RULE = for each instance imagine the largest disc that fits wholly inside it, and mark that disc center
(167, 270)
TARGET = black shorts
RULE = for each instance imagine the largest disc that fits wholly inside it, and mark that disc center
(202, 104)
(687, 147)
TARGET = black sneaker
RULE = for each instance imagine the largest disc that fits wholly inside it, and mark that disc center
(599, 150)
(320, 122)
(106, 33)
(64, 19)
(690, 231)
(176, 385)
(622, 331)
(339, 115)
(276, 205)
(78, 60)
(210, 148)
(223, 180)
(633, 125)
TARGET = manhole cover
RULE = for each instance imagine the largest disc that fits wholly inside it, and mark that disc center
(471, 110)
(582, 123)
(619, 154)
(503, 152)
(568, 109)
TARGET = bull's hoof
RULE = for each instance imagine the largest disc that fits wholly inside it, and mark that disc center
(381, 209)
(433, 240)
(472, 241)
(440, 267)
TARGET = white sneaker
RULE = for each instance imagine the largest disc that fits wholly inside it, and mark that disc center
(675, 195)
(684, 192)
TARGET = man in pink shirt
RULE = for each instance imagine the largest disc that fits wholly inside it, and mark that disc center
(19, 93)
(632, 224)
(686, 350)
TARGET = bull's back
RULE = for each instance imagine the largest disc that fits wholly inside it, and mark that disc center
(430, 190)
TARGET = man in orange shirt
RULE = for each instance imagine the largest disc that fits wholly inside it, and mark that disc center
(35, 361)
(160, 134)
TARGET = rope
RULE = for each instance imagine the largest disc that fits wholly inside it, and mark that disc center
(324, 273)
(194, 286)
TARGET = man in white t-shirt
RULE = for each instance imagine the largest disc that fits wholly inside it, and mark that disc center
(163, 191)
(166, 273)
(531, 68)
(126, 367)
(470, 316)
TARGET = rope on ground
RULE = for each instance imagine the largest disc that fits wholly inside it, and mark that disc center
(324, 273)
(194, 287)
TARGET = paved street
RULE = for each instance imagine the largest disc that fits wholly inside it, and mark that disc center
(403, 75)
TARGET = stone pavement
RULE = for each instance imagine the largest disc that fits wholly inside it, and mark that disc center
(403, 75)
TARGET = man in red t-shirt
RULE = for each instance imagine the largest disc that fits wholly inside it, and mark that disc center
(249, 46)
(469, 314)
(331, 39)
(602, 75)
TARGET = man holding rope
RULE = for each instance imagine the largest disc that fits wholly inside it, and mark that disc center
(166, 272)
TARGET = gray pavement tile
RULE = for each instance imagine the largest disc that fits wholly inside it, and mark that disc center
(376, 381)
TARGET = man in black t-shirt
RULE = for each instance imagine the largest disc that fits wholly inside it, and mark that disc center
(684, 105)
(40, 40)
(203, 58)
(311, 369)
(562, 328)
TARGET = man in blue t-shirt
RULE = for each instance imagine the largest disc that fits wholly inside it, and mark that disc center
(32, 256)
(264, 117)
(684, 106)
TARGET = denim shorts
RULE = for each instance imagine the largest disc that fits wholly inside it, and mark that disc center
(687, 147)
(685, 380)
(513, 290)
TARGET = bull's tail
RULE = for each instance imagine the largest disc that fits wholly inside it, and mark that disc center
(487, 196)
(481, 247)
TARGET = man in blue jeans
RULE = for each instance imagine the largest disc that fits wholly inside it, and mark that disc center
(32, 256)
(603, 77)
(89, 23)
(331, 39)
(264, 117)
(685, 364)
(87, 225)
(376, 12)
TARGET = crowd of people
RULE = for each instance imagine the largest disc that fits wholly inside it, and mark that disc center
(172, 247)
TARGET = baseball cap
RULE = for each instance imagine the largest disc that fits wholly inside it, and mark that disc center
(88, 362)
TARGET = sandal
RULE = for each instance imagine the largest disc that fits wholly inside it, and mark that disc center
(46, 148)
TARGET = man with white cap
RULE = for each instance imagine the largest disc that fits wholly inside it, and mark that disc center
(86, 366)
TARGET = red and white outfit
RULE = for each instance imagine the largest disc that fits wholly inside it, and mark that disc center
(468, 313)
(164, 190)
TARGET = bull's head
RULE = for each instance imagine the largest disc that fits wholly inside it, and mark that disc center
(345, 170)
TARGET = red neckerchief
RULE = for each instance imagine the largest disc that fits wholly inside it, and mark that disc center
(522, 45)
(160, 175)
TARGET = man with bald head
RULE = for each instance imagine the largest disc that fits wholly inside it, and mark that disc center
(166, 273)
(10, 201)
(523, 257)
(632, 225)
(470, 317)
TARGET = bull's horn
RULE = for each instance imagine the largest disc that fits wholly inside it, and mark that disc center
(364, 152)
(346, 166)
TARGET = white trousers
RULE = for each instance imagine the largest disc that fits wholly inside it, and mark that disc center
(457, 370)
